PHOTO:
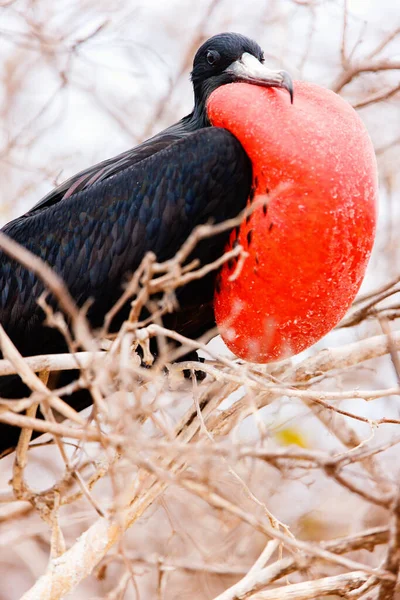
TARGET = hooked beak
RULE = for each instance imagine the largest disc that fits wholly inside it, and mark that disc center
(249, 69)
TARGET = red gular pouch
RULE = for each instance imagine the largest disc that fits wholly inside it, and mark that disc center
(310, 238)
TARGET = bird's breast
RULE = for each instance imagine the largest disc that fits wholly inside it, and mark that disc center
(309, 239)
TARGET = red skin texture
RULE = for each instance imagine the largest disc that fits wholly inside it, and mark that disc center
(314, 165)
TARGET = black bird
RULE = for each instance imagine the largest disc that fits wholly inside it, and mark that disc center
(95, 228)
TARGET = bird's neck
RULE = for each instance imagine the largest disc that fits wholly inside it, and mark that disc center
(199, 116)
(197, 119)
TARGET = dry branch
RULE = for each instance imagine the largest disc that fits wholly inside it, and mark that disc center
(392, 562)
(104, 533)
(255, 580)
(338, 584)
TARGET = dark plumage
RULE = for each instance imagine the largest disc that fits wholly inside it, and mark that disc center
(95, 228)
(111, 225)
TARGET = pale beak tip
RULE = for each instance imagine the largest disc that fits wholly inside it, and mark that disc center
(287, 83)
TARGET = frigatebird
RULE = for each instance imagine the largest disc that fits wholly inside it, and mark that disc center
(95, 228)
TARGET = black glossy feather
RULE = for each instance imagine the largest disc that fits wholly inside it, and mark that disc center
(111, 166)
(95, 228)
(95, 238)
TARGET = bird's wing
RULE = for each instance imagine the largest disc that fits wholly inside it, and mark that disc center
(107, 168)
(96, 237)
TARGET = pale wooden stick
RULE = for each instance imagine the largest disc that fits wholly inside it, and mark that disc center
(21, 490)
(33, 381)
(54, 362)
(328, 586)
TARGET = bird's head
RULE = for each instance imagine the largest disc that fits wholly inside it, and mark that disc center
(230, 57)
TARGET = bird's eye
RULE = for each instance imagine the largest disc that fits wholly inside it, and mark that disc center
(212, 57)
(262, 58)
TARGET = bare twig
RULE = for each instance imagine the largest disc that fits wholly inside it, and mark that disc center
(328, 586)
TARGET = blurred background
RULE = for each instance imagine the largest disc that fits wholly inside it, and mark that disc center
(82, 80)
